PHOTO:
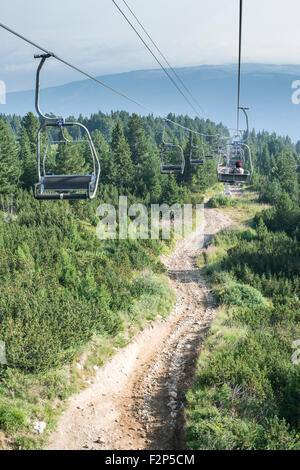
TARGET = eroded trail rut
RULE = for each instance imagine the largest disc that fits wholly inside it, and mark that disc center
(137, 398)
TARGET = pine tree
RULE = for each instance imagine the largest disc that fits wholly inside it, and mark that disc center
(170, 191)
(286, 173)
(121, 158)
(9, 165)
(70, 159)
(27, 160)
(146, 161)
(148, 178)
(136, 138)
(103, 151)
(31, 123)
(265, 161)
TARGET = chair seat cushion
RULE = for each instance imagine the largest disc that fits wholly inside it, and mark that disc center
(67, 182)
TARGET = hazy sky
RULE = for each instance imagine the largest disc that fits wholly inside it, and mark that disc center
(93, 35)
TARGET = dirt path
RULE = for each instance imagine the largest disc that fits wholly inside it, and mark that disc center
(137, 398)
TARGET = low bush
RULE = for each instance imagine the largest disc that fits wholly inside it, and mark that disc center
(221, 201)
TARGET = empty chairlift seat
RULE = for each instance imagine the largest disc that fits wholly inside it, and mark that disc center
(65, 186)
(196, 157)
(172, 161)
(69, 186)
(67, 182)
(171, 169)
(196, 154)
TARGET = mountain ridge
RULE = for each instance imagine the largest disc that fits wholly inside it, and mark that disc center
(266, 89)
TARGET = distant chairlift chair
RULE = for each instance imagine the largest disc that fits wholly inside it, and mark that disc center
(59, 187)
(174, 153)
(194, 155)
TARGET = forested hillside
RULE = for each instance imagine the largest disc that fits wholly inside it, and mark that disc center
(128, 147)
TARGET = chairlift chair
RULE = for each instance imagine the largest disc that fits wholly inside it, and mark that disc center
(194, 154)
(228, 175)
(169, 152)
(59, 187)
(214, 149)
(238, 150)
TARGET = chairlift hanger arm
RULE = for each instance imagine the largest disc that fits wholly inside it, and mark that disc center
(57, 121)
(247, 122)
(44, 118)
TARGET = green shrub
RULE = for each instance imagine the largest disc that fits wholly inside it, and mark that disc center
(237, 294)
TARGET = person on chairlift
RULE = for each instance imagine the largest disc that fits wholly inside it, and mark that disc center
(238, 168)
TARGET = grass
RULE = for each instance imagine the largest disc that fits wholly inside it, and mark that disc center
(245, 208)
(241, 208)
(214, 190)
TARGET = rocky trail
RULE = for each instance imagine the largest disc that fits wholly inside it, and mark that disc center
(137, 399)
